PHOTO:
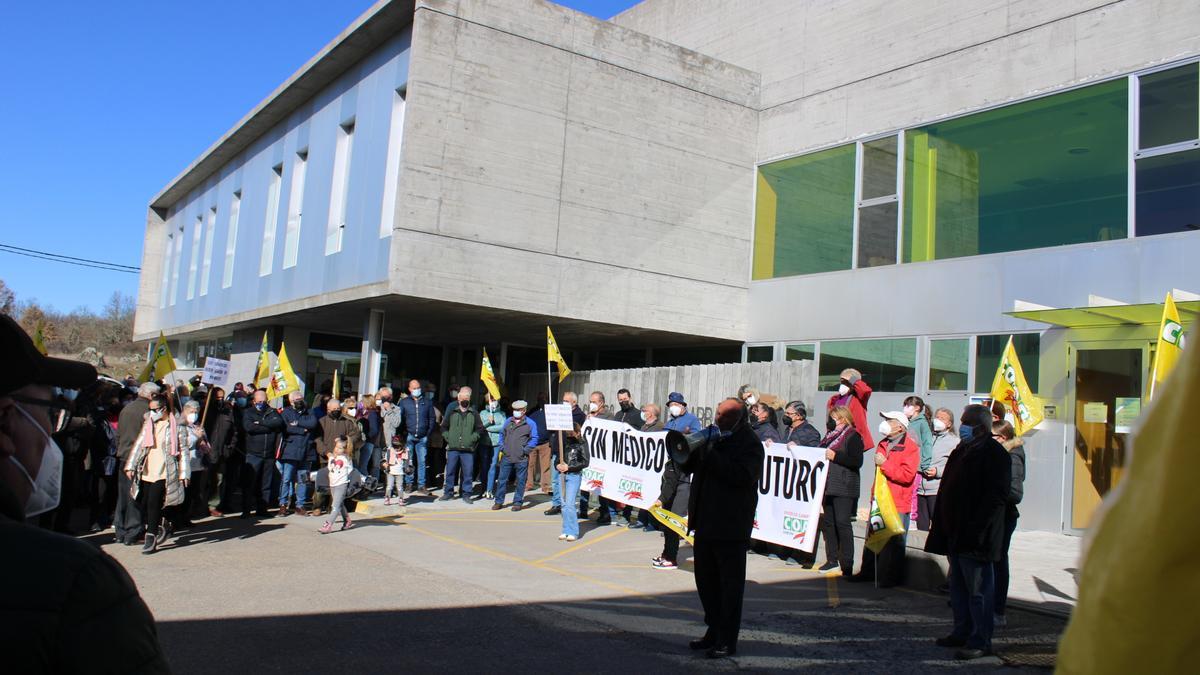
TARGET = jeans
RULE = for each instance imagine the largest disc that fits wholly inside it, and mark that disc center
(455, 460)
(366, 458)
(556, 492)
(484, 453)
(570, 514)
(339, 505)
(489, 482)
(838, 533)
(395, 485)
(507, 467)
(420, 447)
(257, 477)
(1001, 567)
(295, 483)
(972, 589)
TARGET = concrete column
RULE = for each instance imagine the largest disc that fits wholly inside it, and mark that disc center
(372, 352)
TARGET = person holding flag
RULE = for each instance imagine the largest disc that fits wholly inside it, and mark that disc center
(897, 457)
(161, 364)
(1010, 389)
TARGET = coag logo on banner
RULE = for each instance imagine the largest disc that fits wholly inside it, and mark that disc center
(795, 526)
(631, 488)
(592, 479)
(1172, 333)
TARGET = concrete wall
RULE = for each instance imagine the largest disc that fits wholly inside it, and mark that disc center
(560, 165)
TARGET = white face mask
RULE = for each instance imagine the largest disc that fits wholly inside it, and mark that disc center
(593, 406)
(885, 427)
(352, 412)
(192, 417)
(643, 416)
(939, 426)
(47, 487)
(843, 390)
(518, 414)
(568, 403)
(492, 405)
(751, 399)
(910, 410)
(676, 411)
(156, 415)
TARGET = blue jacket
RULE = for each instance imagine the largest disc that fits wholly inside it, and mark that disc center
(687, 423)
(419, 416)
(511, 452)
(299, 433)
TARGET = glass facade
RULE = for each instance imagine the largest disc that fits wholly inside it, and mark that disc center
(888, 365)
(987, 358)
(803, 352)
(1168, 107)
(758, 354)
(949, 361)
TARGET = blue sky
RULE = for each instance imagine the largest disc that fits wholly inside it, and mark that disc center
(104, 102)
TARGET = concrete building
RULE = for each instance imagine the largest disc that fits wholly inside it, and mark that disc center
(897, 187)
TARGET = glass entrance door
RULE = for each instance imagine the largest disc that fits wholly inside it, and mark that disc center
(1109, 388)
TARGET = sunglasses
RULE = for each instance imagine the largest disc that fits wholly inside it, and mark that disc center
(59, 415)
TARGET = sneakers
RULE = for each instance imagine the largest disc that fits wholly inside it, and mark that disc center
(562, 537)
(570, 537)
(387, 501)
(150, 545)
(326, 528)
(829, 568)
(348, 524)
(446, 496)
(488, 495)
(553, 511)
(663, 564)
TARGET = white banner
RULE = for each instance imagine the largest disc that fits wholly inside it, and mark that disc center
(626, 464)
(789, 496)
(558, 417)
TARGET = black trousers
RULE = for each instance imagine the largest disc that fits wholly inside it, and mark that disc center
(925, 504)
(231, 480)
(836, 517)
(721, 584)
(1000, 604)
(678, 506)
(127, 522)
(258, 475)
(150, 501)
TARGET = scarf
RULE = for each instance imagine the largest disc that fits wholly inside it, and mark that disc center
(834, 439)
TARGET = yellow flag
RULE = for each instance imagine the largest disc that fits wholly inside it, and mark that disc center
(1138, 586)
(39, 340)
(555, 356)
(489, 377)
(262, 370)
(1170, 344)
(1010, 388)
(283, 378)
(677, 523)
(337, 386)
(884, 520)
(161, 363)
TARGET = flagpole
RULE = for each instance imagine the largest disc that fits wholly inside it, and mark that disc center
(207, 402)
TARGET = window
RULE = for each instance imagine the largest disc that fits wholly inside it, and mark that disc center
(175, 259)
(291, 240)
(802, 352)
(391, 175)
(877, 204)
(757, 354)
(194, 258)
(268, 250)
(235, 210)
(209, 226)
(1167, 163)
(341, 186)
(887, 365)
(804, 214)
(166, 266)
(987, 358)
(948, 364)
(1046, 172)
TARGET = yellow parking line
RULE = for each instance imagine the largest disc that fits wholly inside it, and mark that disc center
(831, 590)
(581, 544)
(410, 519)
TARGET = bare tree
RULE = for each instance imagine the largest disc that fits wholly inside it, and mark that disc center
(8, 301)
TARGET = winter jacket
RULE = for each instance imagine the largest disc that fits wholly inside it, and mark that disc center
(843, 479)
(1016, 489)
(332, 428)
(68, 606)
(856, 400)
(724, 492)
(176, 460)
(805, 435)
(922, 435)
(517, 438)
(493, 422)
(766, 432)
(686, 424)
(631, 416)
(299, 436)
(262, 430)
(943, 444)
(462, 428)
(656, 425)
(370, 426)
(391, 420)
(900, 469)
(968, 517)
(420, 418)
(129, 425)
(221, 433)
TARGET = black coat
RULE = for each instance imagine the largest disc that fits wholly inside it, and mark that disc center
(299, 436)
(262, 431)
(632, 417)
(968, 518)
(222, 435)
(806, 436)
(843, 477)
(725, 487)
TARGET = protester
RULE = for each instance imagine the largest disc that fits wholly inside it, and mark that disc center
(626, 411)
(944, 441)
(679, 418)
(556, 457)
(370, 427)
(673, 495)
(462, 428)
(723, 500)
(263, 426)
(127, 522)
(649, 419)
(607, 509)
(897, 456)
(540, 464)
(104, 464)
(518, 437)
(67, 606)
(760, 423)
(797, 429)
(161, 464)
(339, 470)
(1003, 431)
(420, 419)
(74, 439)
(394, 461)
(333, 425)
(920, 429)
(224, 434)
(492, 417)
(844, 451)
(854, 393)
(297, 454)
(968, 528)
(573, 459)
(195, 505)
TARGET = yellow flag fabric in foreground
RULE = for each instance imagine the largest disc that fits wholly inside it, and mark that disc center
(677, 524)
(283, 378)
(1170, 344)
(1139, 586)
(161, 363)
(884, 521)
(262, 370)
(555, 356)
(39, 340)
(488, 376)
(337, 386)
(1010, 388)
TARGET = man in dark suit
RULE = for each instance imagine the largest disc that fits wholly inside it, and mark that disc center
(722, 505)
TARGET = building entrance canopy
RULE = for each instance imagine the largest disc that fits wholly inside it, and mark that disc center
(1104, 312)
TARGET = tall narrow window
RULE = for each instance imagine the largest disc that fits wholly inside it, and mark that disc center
(235, 209)
(194, 258)
(340, 188)
(209, 225)
(877, 203)
(166, 267)
(175, 265)
(268, 250)
(1167, 168)
(391, 175)
(291, 241)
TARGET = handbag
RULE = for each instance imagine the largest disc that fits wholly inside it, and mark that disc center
(577, 457)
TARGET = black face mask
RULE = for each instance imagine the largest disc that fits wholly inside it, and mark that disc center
(830, 425)
(464, 404)
(336, 414)
(626, 405)
(787, 420)
(298, 405)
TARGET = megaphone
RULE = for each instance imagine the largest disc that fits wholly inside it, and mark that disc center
(688, 451)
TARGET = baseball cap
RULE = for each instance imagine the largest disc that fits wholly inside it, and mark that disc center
(894, 415)
(25, 365)
(676, 397)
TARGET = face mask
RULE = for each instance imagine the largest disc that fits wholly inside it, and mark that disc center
(69, 394)
(751, 399)
(415, 393)
(492, 405)
(192, 417)
(261, 406)
(676, 411)
(464, 404)
(298, 404)
(47, 487)
(964, 432)
(335, 414)
(352, 412)
(939, 426)
(843, 390)
(626, 405)
(384, 399)
(184, 399)
(830, 425)
(885, 428)
(910, 410)
(241, 401)
(593, 407)
(156, 415)
(643, 416)
(787, 420)
(518, 414)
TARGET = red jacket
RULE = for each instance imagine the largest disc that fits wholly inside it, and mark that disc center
(857, 399)
(900, 470)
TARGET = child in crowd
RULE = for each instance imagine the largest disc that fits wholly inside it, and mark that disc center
(340, 467)
(397, 456)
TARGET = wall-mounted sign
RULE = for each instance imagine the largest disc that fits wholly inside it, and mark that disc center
(1126, 413)
(1095, 412)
